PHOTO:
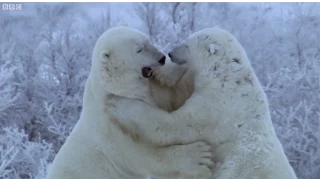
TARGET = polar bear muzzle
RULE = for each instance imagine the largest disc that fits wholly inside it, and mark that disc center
(162, 60)
(146, 71)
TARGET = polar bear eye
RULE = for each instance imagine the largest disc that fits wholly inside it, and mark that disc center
(139, 50)
(106, 55)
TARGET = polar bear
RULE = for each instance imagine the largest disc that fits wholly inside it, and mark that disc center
(228, 104)
(97, 147)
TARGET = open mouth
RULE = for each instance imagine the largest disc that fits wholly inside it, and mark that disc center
(146, 72)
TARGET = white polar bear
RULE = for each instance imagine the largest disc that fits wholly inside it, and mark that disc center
(228, 105)
(97, 148)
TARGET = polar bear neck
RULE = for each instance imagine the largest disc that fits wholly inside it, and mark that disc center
(95, 97)
(127, 85)
(136, 89)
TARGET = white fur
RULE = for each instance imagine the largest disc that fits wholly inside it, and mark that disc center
(213, 48)
(97, 146)
(228, 107)
(171, 85)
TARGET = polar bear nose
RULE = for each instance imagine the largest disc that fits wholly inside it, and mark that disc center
(162, 61)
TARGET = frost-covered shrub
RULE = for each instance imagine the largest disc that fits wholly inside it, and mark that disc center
(21, 158)
(7, 97)
(294, 96)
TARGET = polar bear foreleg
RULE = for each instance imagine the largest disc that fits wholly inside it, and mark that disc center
(182, 161)
(175, 159)
(156, 126)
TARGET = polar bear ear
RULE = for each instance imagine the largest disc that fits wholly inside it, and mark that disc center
(203, 37)
(212, 48)
(105, 54)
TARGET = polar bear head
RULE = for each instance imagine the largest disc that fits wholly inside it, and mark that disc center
(211, 51)
(121, 58)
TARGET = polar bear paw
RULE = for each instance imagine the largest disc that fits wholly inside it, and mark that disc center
(194, 160)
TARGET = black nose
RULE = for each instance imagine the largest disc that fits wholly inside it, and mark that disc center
(162, 60)
(170, 55)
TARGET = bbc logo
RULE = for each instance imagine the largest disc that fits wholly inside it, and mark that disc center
(11, 7)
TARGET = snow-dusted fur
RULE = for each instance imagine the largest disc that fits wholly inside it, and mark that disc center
(228, 107)
(97, 146)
